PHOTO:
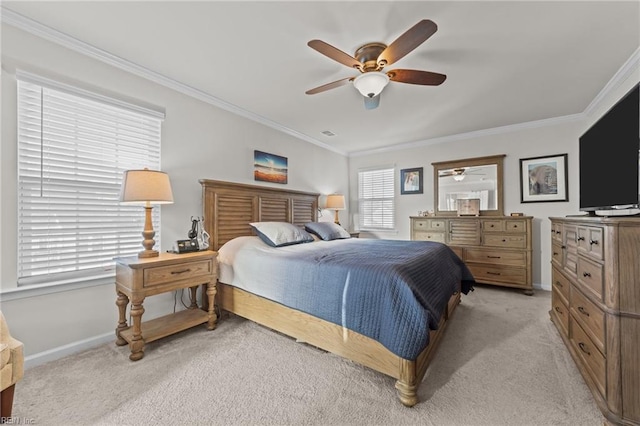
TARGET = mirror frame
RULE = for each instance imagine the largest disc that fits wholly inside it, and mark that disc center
(498, 160)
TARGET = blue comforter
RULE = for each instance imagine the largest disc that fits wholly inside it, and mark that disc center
(389, 290)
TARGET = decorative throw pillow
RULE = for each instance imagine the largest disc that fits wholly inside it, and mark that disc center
(327, 230)
(278, 234)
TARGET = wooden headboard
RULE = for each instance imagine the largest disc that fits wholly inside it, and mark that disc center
(230, 207)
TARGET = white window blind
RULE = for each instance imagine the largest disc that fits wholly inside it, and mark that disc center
(376, 199)
(72, 151)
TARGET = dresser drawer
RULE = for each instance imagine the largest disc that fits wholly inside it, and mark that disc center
(590, 276)
(429, 225)
(429, 236)
(590, 317)
(515, 226)
(493, 225)
(556, 254)
(561, 284)
(496, 257)
(513, 276)
(560, 311)
(167, 274)
(511, 241)
(590, 241)
(593, 360)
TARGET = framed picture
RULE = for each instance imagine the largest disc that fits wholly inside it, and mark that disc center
(544, 179)
(411, 181)
(269, 167)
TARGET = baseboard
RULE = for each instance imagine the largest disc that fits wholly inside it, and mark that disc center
(69, 349)
(542, 286)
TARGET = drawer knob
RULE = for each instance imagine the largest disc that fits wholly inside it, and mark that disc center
(583, 311)
(504, 241)
(580, 238)
(586, 274)
(555, 253)
(593, 242)
(493, 257)
(559, 284)
(584, 349)
(563, 247)
(180, 272)
(558, 310)
(493, 273)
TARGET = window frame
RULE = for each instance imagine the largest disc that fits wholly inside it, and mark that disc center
(387, 175)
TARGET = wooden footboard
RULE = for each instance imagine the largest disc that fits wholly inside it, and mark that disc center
(336, 339)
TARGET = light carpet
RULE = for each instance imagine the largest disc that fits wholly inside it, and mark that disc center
(501, 362)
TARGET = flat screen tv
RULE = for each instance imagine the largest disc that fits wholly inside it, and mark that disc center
(610, 159)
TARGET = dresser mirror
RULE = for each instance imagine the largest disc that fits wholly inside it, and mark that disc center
(471, 178)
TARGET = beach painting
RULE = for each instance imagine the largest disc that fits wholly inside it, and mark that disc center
(269, 167)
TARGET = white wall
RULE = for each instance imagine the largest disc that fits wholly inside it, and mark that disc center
(198, 141)
(557, 137)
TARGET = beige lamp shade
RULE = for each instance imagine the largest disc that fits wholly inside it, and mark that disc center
(146, 186)
(335, 202)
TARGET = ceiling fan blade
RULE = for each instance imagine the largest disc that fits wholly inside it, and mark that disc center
(335, 54)
(408, 41)
(371, 103)
(426, 78)
(329, 86)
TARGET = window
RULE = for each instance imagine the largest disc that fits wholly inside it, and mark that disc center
(376, 199)
(73, 148)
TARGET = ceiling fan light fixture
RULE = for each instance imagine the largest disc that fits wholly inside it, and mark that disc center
(371, 83)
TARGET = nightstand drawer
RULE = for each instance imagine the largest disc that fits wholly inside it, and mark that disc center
(496, 257)
(172, 273)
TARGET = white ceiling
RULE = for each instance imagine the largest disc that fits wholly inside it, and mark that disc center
(506, 62)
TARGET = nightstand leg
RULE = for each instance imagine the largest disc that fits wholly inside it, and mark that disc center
(194, 297)
(211, 294)
(137, 342)
(122, 301)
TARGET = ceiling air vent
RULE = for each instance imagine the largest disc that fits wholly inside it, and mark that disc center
(328, 133)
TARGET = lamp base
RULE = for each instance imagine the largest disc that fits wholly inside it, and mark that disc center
(336, 219)
(148, 253)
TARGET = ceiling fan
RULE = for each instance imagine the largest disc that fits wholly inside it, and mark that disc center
(371, 58)
(458, 173)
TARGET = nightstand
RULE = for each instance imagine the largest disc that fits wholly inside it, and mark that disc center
(354, 234)
(137, 278)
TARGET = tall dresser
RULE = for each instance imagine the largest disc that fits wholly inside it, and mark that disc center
(497, 249)
(595, 305)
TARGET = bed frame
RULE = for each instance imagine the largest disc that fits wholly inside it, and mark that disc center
(228, 210)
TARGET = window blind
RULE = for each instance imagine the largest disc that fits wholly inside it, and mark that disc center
(72, 152)
(376, 199)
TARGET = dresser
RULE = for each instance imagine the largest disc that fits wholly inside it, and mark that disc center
(595, 305)
(497, 249)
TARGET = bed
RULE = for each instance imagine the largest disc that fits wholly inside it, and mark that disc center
(229, 208)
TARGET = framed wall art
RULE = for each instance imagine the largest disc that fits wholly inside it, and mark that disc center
(411, 181)
(269, 167)
(544, 179)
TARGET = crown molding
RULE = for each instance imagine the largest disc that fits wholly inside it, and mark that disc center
(632, 65)
(471, 135)
(28, 25)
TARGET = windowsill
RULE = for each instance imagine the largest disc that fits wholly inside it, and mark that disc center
(27, 291)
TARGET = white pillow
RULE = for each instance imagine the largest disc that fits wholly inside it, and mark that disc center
(278, 234)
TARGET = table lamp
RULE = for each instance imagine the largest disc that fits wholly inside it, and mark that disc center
(335, 202)
(146, 187)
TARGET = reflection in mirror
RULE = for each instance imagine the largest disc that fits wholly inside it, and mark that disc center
(469, 178)
(468, 182)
